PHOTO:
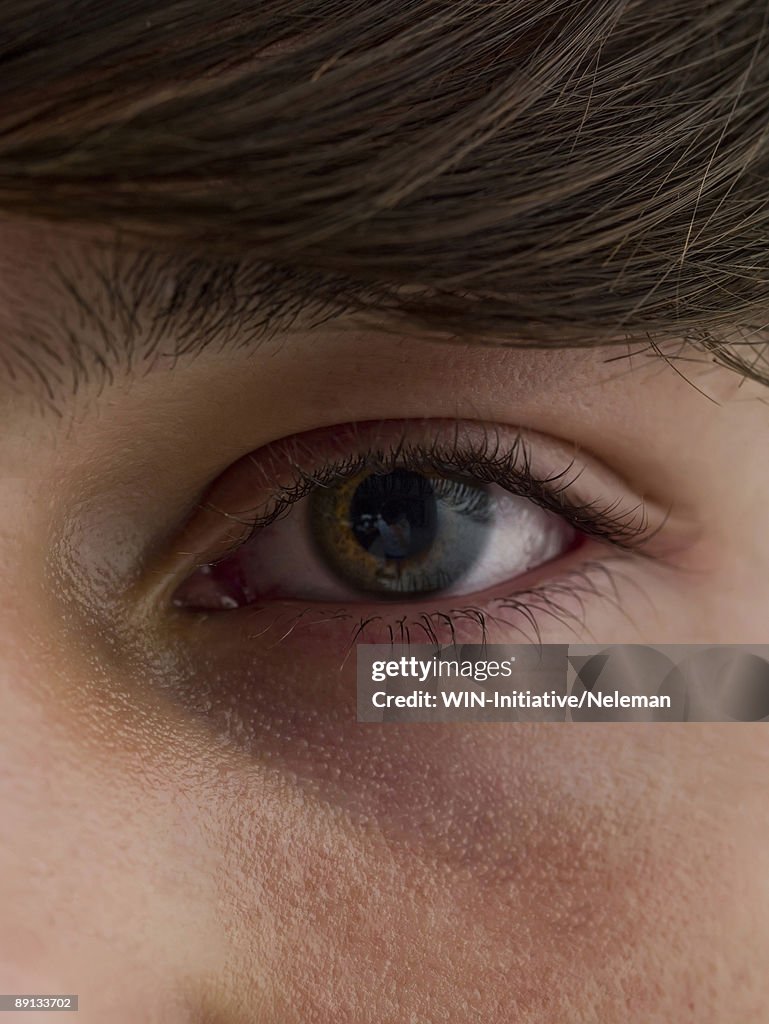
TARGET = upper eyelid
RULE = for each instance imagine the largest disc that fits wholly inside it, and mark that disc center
(625, 529)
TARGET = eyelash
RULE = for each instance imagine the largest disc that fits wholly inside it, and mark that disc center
(624, 529)
(593, 579)
(484, 458)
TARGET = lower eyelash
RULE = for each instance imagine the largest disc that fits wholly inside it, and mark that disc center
(594, 579)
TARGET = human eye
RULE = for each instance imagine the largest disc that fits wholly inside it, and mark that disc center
(429, 521)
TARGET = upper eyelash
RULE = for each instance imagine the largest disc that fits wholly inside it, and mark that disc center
(484, 461)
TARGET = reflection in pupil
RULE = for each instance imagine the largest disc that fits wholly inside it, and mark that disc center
(394, 515)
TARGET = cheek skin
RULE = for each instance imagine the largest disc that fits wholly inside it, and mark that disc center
(605, 875)
(587, 928)
(103, 874)
(528, 873)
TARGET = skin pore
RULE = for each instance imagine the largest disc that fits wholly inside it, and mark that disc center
(197, 830)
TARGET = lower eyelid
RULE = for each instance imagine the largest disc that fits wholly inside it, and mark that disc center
(557, 609)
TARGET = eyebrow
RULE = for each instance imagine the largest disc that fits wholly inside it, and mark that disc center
(116, 311)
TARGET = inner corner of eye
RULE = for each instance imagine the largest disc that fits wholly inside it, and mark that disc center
(383, 535)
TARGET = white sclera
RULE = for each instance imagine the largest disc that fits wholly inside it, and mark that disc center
(282, 561)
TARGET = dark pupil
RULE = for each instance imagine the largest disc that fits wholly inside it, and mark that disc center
(394, 515)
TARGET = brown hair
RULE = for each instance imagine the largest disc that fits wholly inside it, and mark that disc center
(526, 171)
